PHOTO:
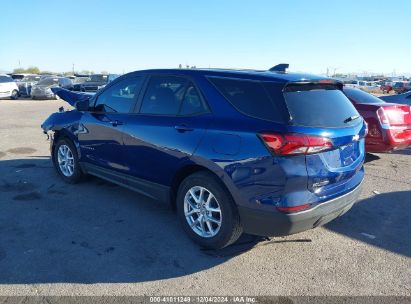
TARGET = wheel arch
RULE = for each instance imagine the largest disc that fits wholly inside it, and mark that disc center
(64, 134)
(188, 170)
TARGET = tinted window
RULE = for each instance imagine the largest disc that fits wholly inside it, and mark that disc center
(31, 78)
(98, 78)
(359, 96)
(192, 102)
(252, 98)
(5, 79)
(17, 76)
(120, 97)
(319, 106)
(163, 95)
(48, 81)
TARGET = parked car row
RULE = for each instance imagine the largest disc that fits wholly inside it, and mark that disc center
(94, 82)
(401, 87)
(367, 86)
(39, 86)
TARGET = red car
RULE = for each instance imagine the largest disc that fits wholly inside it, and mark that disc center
(389, 124)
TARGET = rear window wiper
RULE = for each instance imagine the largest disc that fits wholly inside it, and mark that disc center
(351, 118)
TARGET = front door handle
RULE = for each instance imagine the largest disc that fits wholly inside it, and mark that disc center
(183, 128)
(116, 123)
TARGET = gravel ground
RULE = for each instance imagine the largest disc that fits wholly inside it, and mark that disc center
(96, 238)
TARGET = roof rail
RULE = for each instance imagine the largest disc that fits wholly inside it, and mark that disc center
(282, 67)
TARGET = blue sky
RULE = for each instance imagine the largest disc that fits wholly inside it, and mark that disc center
(116, 36)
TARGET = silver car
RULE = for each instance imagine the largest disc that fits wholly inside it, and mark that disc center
(42, 90)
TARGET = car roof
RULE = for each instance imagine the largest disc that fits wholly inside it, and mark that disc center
(245, 74)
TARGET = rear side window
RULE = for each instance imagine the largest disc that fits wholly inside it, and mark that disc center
(192, 102)
(163, 95)
(251, 98)
(319, 106)
(359, 96)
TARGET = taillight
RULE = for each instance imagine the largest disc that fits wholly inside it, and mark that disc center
(291, 144)
(397, 115)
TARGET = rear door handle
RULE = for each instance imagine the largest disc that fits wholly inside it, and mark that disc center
(116, 123)
(183, 128)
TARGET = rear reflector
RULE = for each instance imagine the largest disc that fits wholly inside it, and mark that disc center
(292, 144)
(293, 209)
(396, 115)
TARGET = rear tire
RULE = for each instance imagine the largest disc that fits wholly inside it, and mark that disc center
(207, 211)
(66, 163)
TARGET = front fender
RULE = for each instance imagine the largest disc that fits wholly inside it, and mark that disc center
(62, 120)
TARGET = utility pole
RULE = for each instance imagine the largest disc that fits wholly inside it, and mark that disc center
(73, 68)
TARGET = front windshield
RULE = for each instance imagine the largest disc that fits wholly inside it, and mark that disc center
(31, 78)
(80, 79)
(98, 78)
(48, 81)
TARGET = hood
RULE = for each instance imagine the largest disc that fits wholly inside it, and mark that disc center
(71, 97)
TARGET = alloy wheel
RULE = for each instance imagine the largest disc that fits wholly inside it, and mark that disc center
(65, 160)
(202, 212)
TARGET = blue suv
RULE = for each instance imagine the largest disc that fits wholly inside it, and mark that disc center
(262, 152)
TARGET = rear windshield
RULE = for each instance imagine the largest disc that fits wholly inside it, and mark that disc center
(319, 106)
(252, 98)
(359, 96)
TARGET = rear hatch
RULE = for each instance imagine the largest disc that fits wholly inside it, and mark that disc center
(322, 111)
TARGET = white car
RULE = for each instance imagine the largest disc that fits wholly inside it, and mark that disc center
(8, 88)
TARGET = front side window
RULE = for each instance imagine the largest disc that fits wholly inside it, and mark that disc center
(163, 95)
(120, 97)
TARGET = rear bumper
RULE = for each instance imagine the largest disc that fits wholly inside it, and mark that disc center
(274, 223)
(391, 139)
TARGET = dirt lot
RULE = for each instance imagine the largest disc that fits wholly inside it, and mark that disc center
(96, 238)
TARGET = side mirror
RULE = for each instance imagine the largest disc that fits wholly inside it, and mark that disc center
(82, 105)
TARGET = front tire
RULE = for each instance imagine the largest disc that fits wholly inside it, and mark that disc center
(207, 211)
(66, 163)
(14, 95)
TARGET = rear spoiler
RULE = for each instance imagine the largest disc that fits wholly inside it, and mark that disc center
(71, 97)
(282, 67)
